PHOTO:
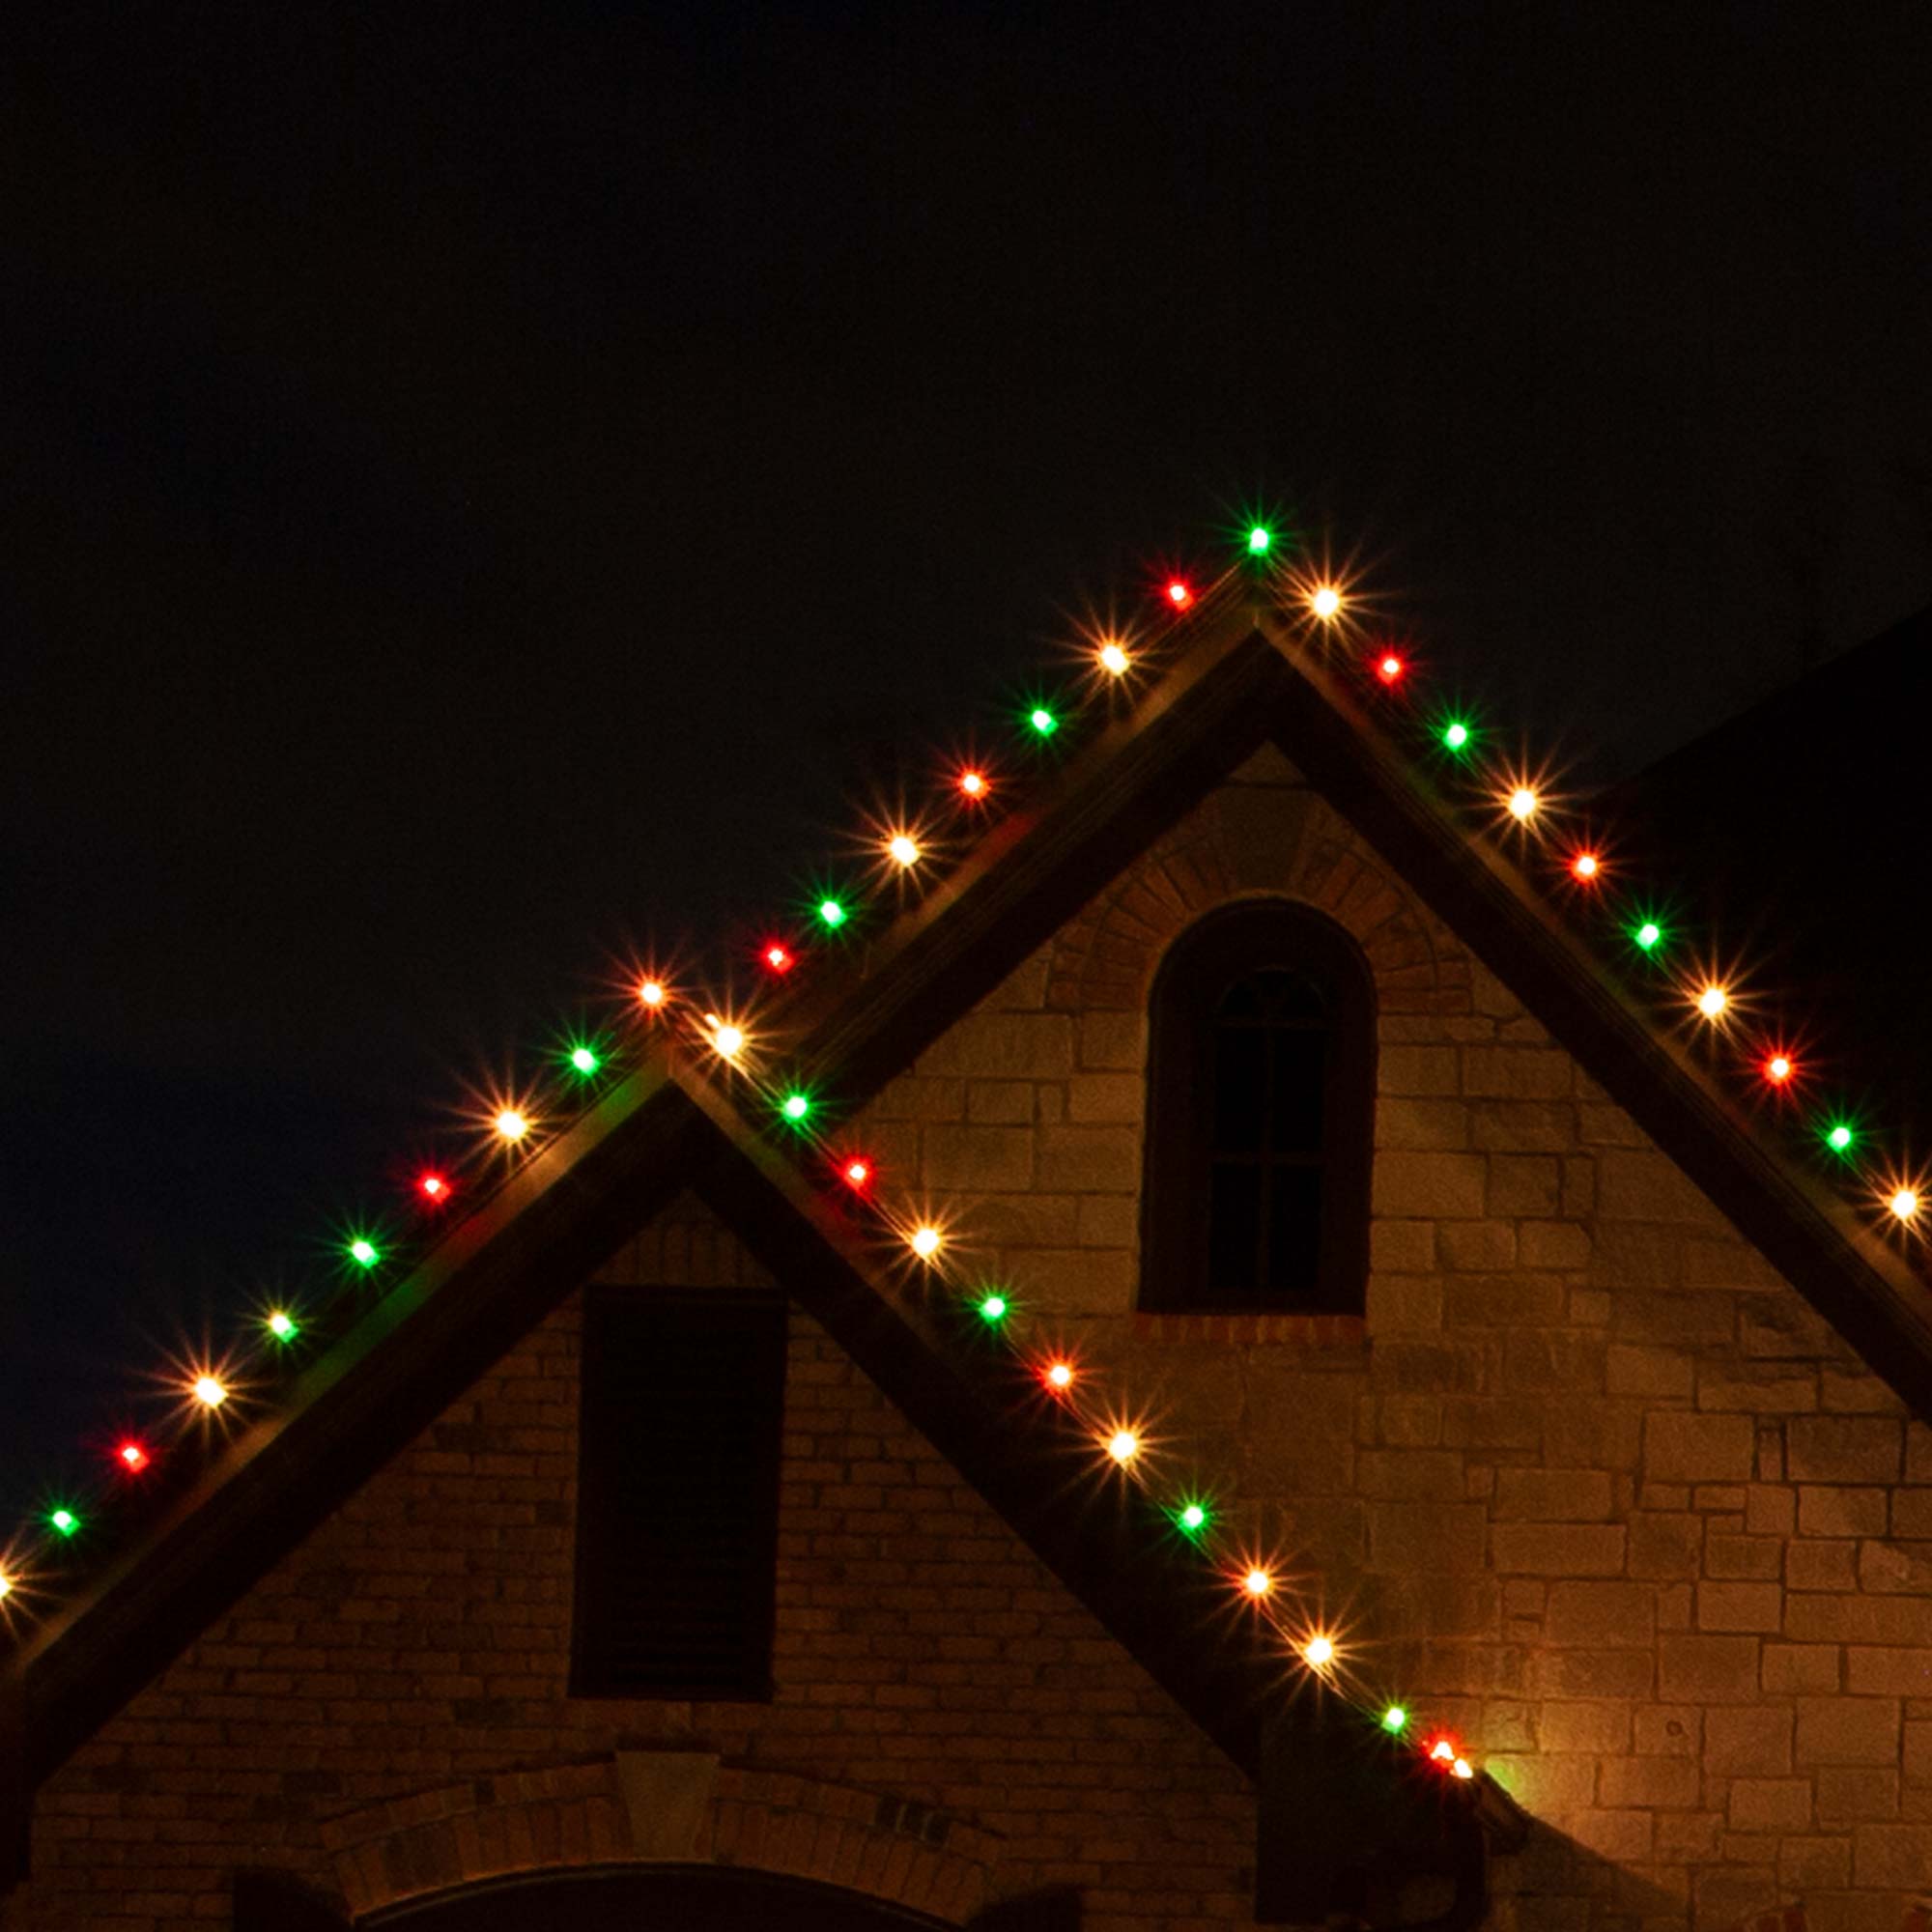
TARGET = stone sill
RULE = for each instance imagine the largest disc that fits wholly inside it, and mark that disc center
(1299, 1331)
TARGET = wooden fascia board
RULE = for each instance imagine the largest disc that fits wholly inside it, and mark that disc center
(1807, 1233)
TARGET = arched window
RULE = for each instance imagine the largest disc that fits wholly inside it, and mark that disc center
(1260, 1083)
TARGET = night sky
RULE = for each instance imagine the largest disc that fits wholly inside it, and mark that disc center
(480, 488)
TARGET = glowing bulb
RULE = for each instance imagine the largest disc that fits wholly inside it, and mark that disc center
(1523, 804)
(1179, 594)
(1460, 1768)
(1778, 1068)
(974, 784)
(209, 1392)
(992, 1307)
(1112, 659)
(1455, 734)
(858, 1172)
(1838, 1137)
(283, 1328)
(583, 1059)
(1043, 721)
(1585, 866)
(1059, 1375)
(925, 1242)
(1712, 1002)
(651, 993)
(433, 1188)
(363, 1252)
(1191, 1518)
(1648, 934)
(1904, 1205)
(1124, 1446)
(795, 1106)
(1394, 1719)
(1259, 540)
(6, 1585)
(1442, 1751)
(902, 850)
(1389, 668)
(510, 1124)
(831, 913)
(777, 957)
(1327, 602)
(62, 1521)
(1319, 1652)
(133, 1457)
(1258, 1583)
(729, 1040)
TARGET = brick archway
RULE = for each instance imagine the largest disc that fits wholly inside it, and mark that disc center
(662, 1808)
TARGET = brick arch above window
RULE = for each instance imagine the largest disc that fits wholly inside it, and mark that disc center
(1247, 840)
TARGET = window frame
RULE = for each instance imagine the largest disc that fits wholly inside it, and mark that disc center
(597, 1615)
(1249, 937)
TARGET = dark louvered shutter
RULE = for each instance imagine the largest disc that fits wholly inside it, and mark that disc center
(683, 1396)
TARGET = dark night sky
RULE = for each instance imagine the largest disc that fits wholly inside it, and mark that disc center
(472, 483)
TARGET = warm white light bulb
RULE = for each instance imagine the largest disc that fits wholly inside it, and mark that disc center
(1712, 1002)
(511, 1124)
(1112, 659)
(729, 1040)
(651, 993)
(925, 1242)
(904, 851)
(209, 1392)
(1523, 804)
(1123, 1446)
(1319, 1651)
(1327, 602)
(1258, 1583)
(1905, 1204)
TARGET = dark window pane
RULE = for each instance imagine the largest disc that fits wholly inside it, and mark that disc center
(1300, 1062)
(1240, 1002)
(1234, 1244)
(1240, 1089)
(1290, 996)
(1295, 1229)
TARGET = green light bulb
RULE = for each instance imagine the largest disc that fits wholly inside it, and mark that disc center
(1838, 1137)
(1648, 934)
(64, 1520)
(1259, 540)
(1191, 1518)
(832, 911)
(363, 1252)
(993, 1308)
(1456, 734)
(1394, 1718)
(584, 1061)
(283, 1328)
(795, 1106)
(1043, 721)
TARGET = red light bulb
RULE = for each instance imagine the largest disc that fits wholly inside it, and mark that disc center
(777, 957)
(1179, 594)
(1390, 668)
(433, 1188)
(133, 1458)
(1058, 1376)
(857, 1172)
(1585, 866)
(973, 783)
(1778, 1069)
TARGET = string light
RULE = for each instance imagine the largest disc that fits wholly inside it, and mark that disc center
(1647, 935)
(795, 1107)
(991, 1308)
(902, 850)
(282, 1326)
(433, 1188)
(1904, 1204)
(1123, 1446)
(511, 1124)
(1461, 1767)
(208, 1391)
(1455, 735)
(62, 1521)
(583, 1060)
(1395, 1721)
(1442, 1751)
(5, 1586)
(777, 957)
(973, 783)
(1319, 1652)
(1713, 1001)
(1389, 668)
(1042, 721)
(1114, 661)
(830, 914)
(1058, 1376)
(1191, 1518)
(857, 1172)
(1179, 594)
(133, 1458)
(651, 993)
(1778, 1070)
(728, 1039)
(1325, 600)
(1585, 866)
(1258, 1583)
(926, 1241)
(1259, 540)
(1523, 805)
(1838, 1137)
(363, 1252)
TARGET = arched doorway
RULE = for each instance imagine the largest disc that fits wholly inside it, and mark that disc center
(662, 1898)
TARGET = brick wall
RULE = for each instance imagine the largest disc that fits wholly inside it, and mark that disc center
(1593, 1484)
(385, 1713)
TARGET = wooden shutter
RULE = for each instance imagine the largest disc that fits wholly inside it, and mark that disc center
(682, 1409)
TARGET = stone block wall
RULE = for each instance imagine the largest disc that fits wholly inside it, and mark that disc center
(1590, 1484)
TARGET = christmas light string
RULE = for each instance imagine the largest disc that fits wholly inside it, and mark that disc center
(1332, 620)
